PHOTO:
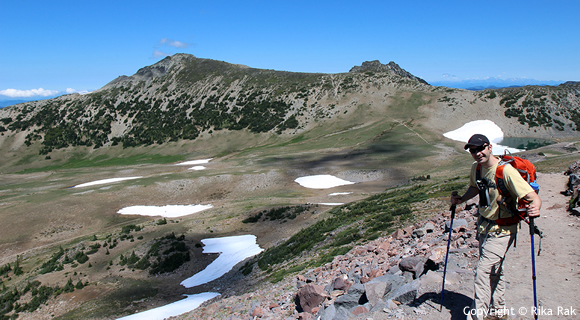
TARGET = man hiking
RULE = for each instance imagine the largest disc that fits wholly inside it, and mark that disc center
(495, 238)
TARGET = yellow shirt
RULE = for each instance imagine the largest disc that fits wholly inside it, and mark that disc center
(515, 184)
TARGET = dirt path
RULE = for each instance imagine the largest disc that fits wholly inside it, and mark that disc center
(557, 267)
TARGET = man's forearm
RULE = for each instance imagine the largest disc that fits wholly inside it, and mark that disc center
(470, 193)
(534, 204)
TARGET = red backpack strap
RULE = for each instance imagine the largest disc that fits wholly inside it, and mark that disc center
(504, 192)
(499, 181)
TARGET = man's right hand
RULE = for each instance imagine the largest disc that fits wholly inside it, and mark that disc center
(455, 198)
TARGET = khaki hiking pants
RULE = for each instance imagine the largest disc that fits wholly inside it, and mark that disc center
(489, 286)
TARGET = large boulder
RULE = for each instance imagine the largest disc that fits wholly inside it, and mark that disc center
(329, 313)
(458, 224)
(355, 296)
(420, 232)
(406, 293)
(340, 283)
(310, 296)
(416, 265)
(376, 290)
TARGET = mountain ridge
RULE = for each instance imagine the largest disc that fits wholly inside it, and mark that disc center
(183, 97)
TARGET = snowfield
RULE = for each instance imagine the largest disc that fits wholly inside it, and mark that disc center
(339, 194)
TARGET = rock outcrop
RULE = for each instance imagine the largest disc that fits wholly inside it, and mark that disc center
(391, 67)
(573, 190)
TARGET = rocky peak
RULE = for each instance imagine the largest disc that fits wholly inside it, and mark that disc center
(391, 67)
(571, 84)
(158, 69)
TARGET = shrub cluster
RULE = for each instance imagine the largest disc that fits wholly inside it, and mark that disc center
(9, 299)
(279, 213)
(165, 255)
(535, 107)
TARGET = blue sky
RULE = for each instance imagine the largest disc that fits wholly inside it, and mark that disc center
(55, 46)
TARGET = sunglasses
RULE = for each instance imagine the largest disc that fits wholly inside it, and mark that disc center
(478, 149)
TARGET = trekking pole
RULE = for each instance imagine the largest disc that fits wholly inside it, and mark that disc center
(447, 254)
(532, 232)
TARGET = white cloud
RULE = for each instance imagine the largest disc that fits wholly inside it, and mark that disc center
(71, 90)
(157, 54)
(15, 93)
(174, 43)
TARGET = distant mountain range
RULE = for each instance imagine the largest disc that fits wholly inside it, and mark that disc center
(493, 83)
(6, 103)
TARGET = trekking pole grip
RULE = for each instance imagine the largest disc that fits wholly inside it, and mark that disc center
(453, 206)
(532, 226)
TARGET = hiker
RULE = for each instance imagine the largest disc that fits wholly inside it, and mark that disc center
(494, 239)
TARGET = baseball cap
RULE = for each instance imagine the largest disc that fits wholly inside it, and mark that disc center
(476, 140)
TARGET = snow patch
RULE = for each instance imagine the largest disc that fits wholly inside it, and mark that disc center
(173, 309)
(338, 194)
(232, 250)
(194, 162)
(324, 181)
(104, 181)
(169, 211)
